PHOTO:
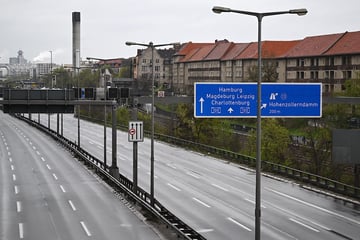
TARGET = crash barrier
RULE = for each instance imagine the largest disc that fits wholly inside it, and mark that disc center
(292, 173)
(176, 226)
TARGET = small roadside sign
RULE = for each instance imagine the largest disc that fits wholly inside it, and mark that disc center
(136, 131)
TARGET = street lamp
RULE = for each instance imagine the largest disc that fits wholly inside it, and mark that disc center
(152, 46)
(259, 17)
(101, 76)
(77, 72)
(51, 69)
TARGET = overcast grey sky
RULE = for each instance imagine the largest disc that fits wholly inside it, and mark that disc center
(37, 26)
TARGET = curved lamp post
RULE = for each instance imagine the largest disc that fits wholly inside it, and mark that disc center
(152, 46)
(259, 17)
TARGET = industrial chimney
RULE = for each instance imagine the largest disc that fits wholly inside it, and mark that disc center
(76, 41)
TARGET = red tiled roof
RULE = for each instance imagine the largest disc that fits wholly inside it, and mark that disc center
(348, 44)
(275, 49)
(202, 53)
(189, 47)
(269, 49)
(314, 46)
(249, 52)
(219, 50)
(331, 44)
(198, 54)
(234, 51)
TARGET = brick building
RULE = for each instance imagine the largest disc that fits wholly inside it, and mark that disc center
(329, 59)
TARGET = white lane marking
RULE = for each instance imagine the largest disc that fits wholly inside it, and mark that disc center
(14, 177)
(7, 148)
(48, 166)
(173, 187)
(9, 153)
(10, 159)
(193, 175)
(62, 189)
(54, 175)
(85, 229)
(12, 167)
(72, 205)
(171, 166)
(16, 189)
(42, 159)
(313, 206)
(201, 202)
(38, 153)
(34, 147)
(21, 230)
(239, 224)
(29, 142)
(219, 187)
(253, 202)
(304, 225)
(100, 147)
(154, 175)
(18, 206)
(205, 230)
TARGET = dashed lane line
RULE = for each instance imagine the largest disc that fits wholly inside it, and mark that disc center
(201, 202)
(239, 224)
(85, 229)
(304, 225)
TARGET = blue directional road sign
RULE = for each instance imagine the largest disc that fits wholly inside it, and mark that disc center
(237, 100)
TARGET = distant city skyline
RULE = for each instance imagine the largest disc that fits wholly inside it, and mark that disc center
(105, 27)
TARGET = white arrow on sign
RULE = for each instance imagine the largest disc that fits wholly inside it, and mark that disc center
(230, 110)
(263, 105)
(201, 105)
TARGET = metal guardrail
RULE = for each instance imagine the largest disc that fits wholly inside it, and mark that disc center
(301, 176)
(124, 185)
(292, 173)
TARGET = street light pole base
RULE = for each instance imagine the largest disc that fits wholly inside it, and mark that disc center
(114, 171)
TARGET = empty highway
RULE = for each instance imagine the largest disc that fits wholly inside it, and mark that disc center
(46, 194)
(217, 198)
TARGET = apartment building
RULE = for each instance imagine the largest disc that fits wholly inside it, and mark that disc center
(329, 59)
(163, 60)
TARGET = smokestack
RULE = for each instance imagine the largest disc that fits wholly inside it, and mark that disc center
(76, 40)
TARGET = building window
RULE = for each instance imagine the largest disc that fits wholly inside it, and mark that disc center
(157, 60)
(314, 75)
(314, 62)
(300, 62)
(157, 68)
(347, 75)
(329, 61)
(300, 75)
(332, 75)
(144, 60)
(346, 60)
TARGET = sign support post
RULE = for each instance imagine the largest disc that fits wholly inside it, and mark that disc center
(136, 134)
(114, 170)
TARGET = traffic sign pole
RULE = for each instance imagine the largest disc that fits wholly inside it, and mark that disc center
(135, 135)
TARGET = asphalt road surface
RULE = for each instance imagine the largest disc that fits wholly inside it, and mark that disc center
(217, 198)
(46, 194)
